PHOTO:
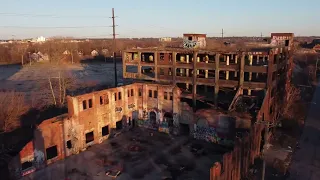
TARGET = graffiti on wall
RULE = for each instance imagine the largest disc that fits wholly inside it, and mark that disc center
(38, 158)
(189, 44)
(163, 127)
(210, 134)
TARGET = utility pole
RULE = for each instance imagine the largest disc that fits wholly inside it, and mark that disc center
(261, 35)
(222, 33)
(114, 49)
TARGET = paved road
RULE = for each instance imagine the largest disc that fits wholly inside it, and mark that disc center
(306, 160)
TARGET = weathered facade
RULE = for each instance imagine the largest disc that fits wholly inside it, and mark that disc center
(93, 117)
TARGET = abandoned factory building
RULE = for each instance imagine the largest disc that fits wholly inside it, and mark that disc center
(205, 94)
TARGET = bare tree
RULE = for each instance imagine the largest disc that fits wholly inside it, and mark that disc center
(12, 106)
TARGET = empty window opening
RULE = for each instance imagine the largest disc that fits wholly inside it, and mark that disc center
(128, 92)
(155, 94)
(161, 56)
(26, 165)
(190, 38)
(171, 96)
(101, 100)
(130, 121)
(286, 42)
(119, 95)
(84, 104)
(52, 152)
(150, 93)
(166, 95)
(132, 92)
(140, 92)
(89, 137)
(148, 71)
(69, 144)
(170, 72)
(132, 69)
(147, 57)
(119, 125)
(105, 130)
(161, 71)
(115, 96)
(90, 103)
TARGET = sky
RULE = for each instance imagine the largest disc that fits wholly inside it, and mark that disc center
(157, 18)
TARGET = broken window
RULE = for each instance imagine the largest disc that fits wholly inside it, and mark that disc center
(101, 100)
(140, 92)
(115, 96)
(89, 137)
(166, 95)
(69, 145)
(132, 92)
(90, 103)
(84, 104)
(105, 130)
(161, 71)
(155, 94)
(119, 95)
(51, 152)
(150, 93)
(161, 56)
(128, 93)
(171, 96)
(119, 125)
(190, 38)
(26, 165)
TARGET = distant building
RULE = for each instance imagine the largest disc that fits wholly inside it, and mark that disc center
(165, 39)
(39, 39)
(194, 40)
(282, 39)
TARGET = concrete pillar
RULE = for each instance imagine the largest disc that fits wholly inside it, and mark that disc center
(174, 60)
(249, 92)
(216, 86)
(194, 82)
(139, 64)
(236, 61)
(187, 70)
(187, 86)
(155, 60)
(250, 63)
(187, 59)
(242, 62)
(198, 59)
(124, 67)
(227, 72)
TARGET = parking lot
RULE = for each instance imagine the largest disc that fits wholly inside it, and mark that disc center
(138, 154)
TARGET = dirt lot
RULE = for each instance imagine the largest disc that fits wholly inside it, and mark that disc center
(33, 80)
(139, 156)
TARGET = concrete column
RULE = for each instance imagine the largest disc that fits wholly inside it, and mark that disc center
(124, 67)
(155, 60)
(242, 62)
(187, 86)
(139, 64)
(258, 63)
(216, 86)
(236, 61)
(187, 59)
(250, 63)
(249, 92)
(194, 81)
(227, 72)
(198, 59)
(174, 60)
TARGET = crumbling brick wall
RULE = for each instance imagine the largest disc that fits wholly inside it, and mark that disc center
(235, 164)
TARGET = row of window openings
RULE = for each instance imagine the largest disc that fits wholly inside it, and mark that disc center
(103, 100)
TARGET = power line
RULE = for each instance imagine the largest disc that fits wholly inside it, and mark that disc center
(48, 15)
(52, 27)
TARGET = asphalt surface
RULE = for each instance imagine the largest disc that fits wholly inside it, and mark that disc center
(306, 159)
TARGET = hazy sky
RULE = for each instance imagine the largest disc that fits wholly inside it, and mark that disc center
(156, 18)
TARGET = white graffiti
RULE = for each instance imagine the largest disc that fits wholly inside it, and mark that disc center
(38, 158)
(189, 43)
(176, 119)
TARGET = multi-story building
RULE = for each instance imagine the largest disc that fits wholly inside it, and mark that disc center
(205, 75)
